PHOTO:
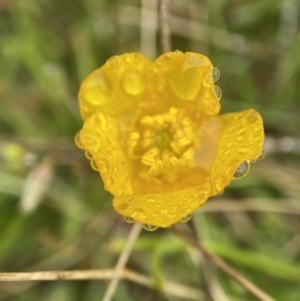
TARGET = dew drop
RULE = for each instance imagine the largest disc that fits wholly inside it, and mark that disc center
(252, 117)
(88, 155)
(257, 138)
(215, 74)
(194, 205)
(133, 83)
(257, 128)
(154, 214)
(186, 82)
(164, 212)
(186, 218)
(202, 193)
(96, 90)
(94, 165)
(243, 150)
(220, 182)
(77, 141)
(218, 92)
(168, 57)
(150, 228)
(103, 166)
(240, 138)
(128, 219)
(150, 202)
(242, 170)
(139, 214)
(108, 182)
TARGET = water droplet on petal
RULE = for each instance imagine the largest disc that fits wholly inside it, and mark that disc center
(186, 218)
(150, 228)
(252, 117)
(94, 165)
(128, 219)
(243, 150)
(218, 92)
(133, 83)
(262, 155)
(150, 202)
(77, 141)
(154, 214)
(194, 205)
(168, 57)
(186, 80)
(103, 166)
(163, 212)
(139, 214)
(96, 89)
(242, 170)
(202, 193)
(123, 203)
(215, 74)
(240, 138)
(108, 182)
(220, 182)
(258, 128)
(88, 155)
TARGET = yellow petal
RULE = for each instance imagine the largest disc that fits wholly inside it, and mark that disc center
(162, 209)
(241, 138)
(100, 137)
(189, 77)
(116, 87)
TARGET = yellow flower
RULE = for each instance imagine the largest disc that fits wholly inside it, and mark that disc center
(153, 131)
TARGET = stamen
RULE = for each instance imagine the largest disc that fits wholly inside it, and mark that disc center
(148, 161)
(147, 121)
(165, 145)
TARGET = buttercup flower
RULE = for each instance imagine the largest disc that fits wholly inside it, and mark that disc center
(153, 132)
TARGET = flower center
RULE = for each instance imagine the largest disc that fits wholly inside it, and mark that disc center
(162, 139)
(163, 145)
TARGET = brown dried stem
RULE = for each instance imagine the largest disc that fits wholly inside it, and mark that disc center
(230, 271)
(170, 288)
(164, 20)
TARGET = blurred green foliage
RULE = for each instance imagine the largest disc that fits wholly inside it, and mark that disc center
(64, 220)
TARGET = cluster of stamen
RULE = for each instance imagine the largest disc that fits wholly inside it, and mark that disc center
(164, 144)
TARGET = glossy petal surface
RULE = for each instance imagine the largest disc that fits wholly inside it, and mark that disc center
(154, 133)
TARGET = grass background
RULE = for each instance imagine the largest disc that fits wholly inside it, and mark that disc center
(54, 213)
